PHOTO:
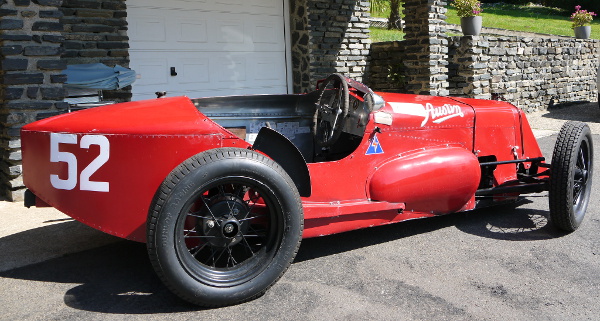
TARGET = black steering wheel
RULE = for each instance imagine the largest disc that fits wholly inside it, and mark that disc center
(331, 110)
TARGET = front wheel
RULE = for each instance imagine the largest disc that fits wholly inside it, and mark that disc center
(224, 227)
(571, 176)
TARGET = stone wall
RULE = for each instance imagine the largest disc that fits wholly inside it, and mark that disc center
(30, 49)
(38, 38)
(387, 71)
(96, 31)
(529, 72)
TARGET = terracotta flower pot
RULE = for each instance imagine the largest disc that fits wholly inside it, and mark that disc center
(582, 32)
(471, 26)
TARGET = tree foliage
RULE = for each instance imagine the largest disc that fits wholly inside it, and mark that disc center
(394, 19)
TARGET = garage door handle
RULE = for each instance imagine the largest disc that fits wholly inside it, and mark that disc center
(173, 71)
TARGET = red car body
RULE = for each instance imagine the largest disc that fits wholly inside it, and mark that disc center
(426, 167)
(376, 158)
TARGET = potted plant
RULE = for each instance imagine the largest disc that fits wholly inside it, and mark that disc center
(582, 22)
(469, 12)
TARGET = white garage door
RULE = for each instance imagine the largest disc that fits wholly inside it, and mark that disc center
(204, 48)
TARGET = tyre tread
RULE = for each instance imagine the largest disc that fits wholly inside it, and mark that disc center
(162, 196)
(567, 143)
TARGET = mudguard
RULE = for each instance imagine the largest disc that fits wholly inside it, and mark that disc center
(287, 155)
(436, 180)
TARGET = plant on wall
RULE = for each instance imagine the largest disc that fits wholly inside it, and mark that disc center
(467, 8)
(581, 18)
(396, 75)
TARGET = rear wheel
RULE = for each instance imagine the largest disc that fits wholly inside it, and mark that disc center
(224, 227)
(571, 176)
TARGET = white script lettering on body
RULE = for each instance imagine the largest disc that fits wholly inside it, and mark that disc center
(441, 114)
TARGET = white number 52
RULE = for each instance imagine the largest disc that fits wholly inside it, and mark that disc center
(70, 182)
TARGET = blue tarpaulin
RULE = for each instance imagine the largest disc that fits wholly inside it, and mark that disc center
(98, 76)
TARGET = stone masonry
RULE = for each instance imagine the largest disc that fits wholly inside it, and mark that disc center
(467, 71)
(39, 38)
(530, 72)
(338, 33)
(30, 49)
(300, 45)
(426, 47)
(96, 31)
(387, 71)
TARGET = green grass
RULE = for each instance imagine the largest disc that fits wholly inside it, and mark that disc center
(520, 18)
(383, 35)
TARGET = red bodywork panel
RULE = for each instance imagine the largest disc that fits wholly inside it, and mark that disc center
(417, 158)
(147, 139)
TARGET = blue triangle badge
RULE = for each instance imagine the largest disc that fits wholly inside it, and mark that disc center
(374, 147)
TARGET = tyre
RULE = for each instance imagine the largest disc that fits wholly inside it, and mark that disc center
(224, 226)
(571, 176)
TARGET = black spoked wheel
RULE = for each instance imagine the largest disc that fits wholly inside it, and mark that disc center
(225, 226)
(571, 177)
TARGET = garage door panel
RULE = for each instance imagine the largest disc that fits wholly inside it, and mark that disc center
(192, 30)
(265, 73)
(148, 29)
(217, 47)
(169, 5)
(229, 31)
(150, 71)
(267, 33)
(186, 31)
(231, 70)
(201, 72)
(261, 7)
(194, 71)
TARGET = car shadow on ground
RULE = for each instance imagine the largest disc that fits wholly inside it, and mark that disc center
(118, 278)
(505, 222)
(584, 111)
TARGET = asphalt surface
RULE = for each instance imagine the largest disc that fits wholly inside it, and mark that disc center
(503, 263)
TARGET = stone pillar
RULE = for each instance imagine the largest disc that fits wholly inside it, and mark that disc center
(468, 70)
(339, 38)
(300, 45)
(426, 47)
(31, 85)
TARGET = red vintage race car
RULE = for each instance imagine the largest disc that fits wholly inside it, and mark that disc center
(223, 189)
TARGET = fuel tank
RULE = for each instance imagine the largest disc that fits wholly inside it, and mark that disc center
(436, 180)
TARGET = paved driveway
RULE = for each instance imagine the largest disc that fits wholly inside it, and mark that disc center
(503, 263)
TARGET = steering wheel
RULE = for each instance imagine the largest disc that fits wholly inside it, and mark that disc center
(331, 110)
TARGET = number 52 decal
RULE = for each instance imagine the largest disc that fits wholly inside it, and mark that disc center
(70, 182)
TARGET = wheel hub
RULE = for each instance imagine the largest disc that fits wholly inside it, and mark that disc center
(231, 228)
(224, 226)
